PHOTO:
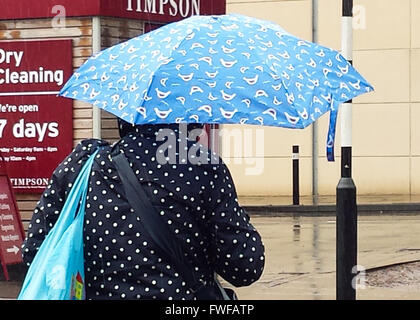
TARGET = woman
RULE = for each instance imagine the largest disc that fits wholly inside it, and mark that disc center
(195, 198)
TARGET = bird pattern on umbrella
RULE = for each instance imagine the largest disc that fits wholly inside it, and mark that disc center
(218, 69)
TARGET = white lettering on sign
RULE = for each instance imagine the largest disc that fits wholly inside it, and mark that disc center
(35, 130)
(20, 183)
(4, 206)
(9, 56)
(6, 228)
(185, 8)
(6, 217)
(33, 76)
(14, 59)
(24, 108)
(12, 237)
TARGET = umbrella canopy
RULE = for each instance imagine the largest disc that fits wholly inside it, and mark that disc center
(218, 70)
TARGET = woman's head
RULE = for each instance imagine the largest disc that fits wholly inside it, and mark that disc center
(125, 127)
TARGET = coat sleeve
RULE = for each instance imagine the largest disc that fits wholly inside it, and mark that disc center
(52, 200)
(237, 246)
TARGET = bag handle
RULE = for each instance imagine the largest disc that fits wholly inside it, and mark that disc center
(148, 214)
(35, 285)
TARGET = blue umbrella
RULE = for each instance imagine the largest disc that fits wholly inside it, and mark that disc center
(219, 70)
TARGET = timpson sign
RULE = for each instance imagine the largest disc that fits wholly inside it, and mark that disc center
(185, 8)
(148, 10)
(11, 228)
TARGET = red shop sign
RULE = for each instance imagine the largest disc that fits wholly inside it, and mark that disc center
(36, 126)
(148, 10)
(11, 229)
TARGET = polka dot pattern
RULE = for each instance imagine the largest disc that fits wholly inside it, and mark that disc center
(198, 202)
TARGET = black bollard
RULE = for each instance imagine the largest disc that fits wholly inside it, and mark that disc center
(346, 223)
(295, 160)
(346, 246)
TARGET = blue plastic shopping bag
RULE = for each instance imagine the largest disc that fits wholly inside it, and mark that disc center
(57, 271)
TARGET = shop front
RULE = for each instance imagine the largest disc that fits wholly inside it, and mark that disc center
(41, 44)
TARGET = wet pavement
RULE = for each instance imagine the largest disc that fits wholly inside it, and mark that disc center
(381, 199)
(300, 259)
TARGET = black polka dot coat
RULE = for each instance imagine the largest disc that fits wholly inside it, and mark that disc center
(197, 201)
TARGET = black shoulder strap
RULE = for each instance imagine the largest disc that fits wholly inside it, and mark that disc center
(149, 216)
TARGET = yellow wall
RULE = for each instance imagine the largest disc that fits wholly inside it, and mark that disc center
(386, 135)
(267, 169)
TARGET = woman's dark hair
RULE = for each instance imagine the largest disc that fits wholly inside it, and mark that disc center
(125, 127)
